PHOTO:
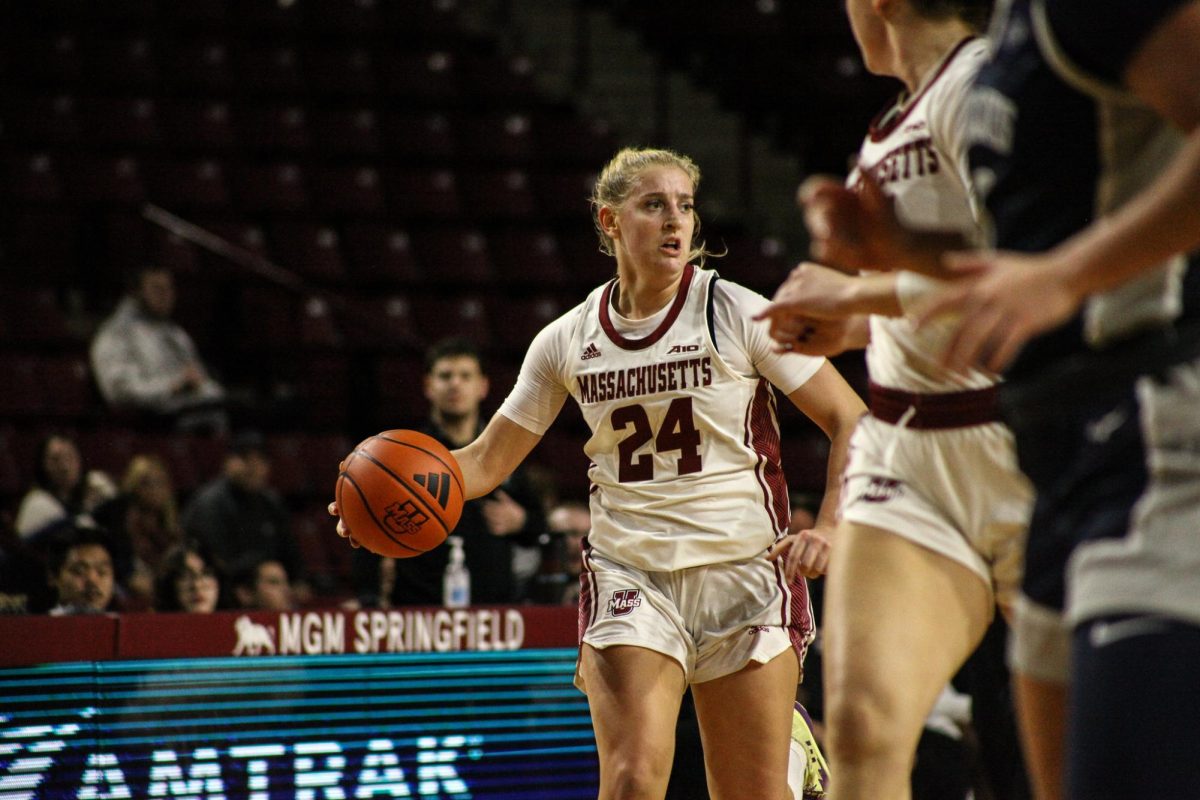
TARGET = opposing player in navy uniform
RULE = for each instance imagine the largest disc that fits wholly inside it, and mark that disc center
(1085, 147)
(689, 575)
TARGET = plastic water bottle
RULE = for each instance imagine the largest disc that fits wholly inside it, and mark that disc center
(456, 583)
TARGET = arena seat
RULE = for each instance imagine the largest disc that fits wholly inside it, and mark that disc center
(351, 131)
(275, 128)
(379, 254)
(424, 194)
(527, 256)
(200, 125)
(348, 191)
(187, 185)
(278, 187)
(107, 180)
(498, 195)
(339, 73)
(423, 137)
(454, 256)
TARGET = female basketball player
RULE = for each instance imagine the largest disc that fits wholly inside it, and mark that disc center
(689, 504)
(1077, 148)
(934, 508)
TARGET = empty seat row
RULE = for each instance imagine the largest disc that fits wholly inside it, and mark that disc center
(224, 63)
(326, 131)
(287, 187)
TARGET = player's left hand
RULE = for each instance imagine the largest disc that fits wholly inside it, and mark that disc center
(1002, 300)
(342, 530)
(503, 515)
(806, 552)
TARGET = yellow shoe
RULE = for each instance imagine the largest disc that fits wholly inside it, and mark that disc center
(808, 774)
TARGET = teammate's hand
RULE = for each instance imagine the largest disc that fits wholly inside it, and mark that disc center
(342, 530)
(852, 229)
(806, 552)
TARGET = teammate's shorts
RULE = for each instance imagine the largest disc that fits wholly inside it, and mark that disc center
(956, 491)
(713, 619)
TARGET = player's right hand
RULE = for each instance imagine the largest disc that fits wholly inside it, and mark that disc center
(342, 530)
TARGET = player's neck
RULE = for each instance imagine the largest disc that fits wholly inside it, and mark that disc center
(922, 50)
(638, 297)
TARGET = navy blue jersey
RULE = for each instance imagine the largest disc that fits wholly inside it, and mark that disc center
(1056, 142)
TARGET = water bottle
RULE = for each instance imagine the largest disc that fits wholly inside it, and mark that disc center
(456, 583)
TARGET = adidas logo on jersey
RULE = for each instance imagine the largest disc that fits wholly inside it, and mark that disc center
(591, 351)
(437, 484)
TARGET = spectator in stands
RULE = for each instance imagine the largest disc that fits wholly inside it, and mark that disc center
(262, 583)
(188, 580)
(455, 386)
(143, 521)
(144, 361)
(80, 570)
(569, 524)
(238, 515)
(62, 491)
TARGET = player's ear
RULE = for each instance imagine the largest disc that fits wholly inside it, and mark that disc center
(427, 387)
(608, 220)
(485, 386)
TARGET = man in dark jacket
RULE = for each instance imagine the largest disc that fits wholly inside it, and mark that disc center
(495, 529)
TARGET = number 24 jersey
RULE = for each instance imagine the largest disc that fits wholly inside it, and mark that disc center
(684, 451)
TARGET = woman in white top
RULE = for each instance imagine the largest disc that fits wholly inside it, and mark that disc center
(935, 509)
(689, 575)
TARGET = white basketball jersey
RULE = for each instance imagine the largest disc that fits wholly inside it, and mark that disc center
(684, 449)
(915, 150)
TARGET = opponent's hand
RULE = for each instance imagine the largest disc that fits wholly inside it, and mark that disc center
(806, 552)
(852, 229)
(1002, 300)
(342, 530)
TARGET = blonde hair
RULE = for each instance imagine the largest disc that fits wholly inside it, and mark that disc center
(616, 181)
(143, 466)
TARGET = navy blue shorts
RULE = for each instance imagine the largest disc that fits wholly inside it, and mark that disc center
(1086, 460)
(1135, 702)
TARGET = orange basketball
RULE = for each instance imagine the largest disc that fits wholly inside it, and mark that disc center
(400, 493)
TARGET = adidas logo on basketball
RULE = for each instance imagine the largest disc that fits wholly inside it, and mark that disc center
(437, 484)
(591, 351)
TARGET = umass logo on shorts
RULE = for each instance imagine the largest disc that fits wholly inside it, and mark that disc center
(624, 601)
(880, 490)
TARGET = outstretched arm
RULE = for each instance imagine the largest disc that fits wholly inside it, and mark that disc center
(993, 297)
(493, 456)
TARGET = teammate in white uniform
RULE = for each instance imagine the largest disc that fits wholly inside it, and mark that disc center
(934, 508)
(690, 577)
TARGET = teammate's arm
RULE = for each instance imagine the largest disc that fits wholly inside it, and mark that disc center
(858, 229)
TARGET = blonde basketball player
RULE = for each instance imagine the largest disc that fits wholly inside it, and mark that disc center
(934, 507)
(686, 569)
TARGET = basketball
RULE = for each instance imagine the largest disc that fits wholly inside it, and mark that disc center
(400, 493)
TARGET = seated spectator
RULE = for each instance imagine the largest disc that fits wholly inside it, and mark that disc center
(63, 493)
(143, 522)
(239, 516)
(188, 581)
(262, 584)
(80, 570)
(144, 361)
(569, 525)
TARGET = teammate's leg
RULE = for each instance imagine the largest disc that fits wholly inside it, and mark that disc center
(900, 620)
(745, 724)
(634, 695)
